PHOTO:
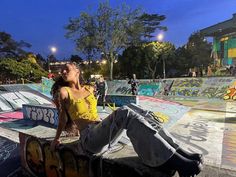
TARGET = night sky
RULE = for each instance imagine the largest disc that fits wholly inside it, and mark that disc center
(41, 22)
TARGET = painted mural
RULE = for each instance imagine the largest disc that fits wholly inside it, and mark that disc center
(44, 113)
(189, 87)
(215, 87)
(170, 112)
(12, 97)
(9, 153)
(39, 160)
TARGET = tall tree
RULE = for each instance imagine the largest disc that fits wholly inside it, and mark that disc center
(132, 62)
(110, 30)
(156, 53)
(83, 30)
(199, 49)
(11, 48)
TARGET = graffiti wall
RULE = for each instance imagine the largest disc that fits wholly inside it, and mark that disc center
(12, 98)
(9, 152)
(188, 87)
(215, 87)
(120, 100)
(44, 113)
(10, 116)
(164, 109)
(39, 160)
(119, 87)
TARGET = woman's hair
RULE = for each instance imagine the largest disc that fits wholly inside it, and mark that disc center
(59, 82)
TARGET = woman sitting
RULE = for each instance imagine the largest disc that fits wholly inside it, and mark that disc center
(77, 108)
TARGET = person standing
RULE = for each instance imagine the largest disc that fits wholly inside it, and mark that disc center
(101, 89)
(134, 85)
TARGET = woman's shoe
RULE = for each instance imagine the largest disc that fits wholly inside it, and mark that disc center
(195, 169)
(185, 167)
(188, 155)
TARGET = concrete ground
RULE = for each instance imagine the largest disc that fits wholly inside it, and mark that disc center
(204, 126)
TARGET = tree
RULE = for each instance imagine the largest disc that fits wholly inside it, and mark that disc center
(132, 61)
(194, 54)
(82, 31)
(15, 70)
(199, 49)
(11, 48)
(41, 61)
(155, 53)
(109, 31)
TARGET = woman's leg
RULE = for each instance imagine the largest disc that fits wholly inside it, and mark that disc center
(167, 136)
(149, 145)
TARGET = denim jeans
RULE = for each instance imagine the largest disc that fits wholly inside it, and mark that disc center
(154, 145)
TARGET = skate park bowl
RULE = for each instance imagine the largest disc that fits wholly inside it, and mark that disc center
(200, 113)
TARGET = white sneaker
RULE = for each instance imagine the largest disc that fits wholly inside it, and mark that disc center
(104, 110)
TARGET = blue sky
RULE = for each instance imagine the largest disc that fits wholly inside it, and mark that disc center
(41, 22)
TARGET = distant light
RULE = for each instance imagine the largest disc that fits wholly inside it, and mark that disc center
(104, 62)
(160, 37)
(53, 49)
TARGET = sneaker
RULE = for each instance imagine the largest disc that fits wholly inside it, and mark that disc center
(104, 110)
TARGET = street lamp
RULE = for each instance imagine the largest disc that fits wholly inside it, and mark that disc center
(53, 50)
(160, 38)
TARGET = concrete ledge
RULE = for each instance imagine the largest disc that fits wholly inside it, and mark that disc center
(38, 160)
(120, 100)
(46, 113)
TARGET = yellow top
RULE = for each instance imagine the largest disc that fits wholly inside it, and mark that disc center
(82, 108)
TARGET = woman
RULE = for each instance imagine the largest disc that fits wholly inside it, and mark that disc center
(153, 144)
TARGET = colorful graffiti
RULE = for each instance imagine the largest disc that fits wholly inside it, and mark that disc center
(121, 100)
(47, 114)
(41, 161)
(149, 89)
(170, 112)
(190, 82)
(230, 94)
(9, 156)
(10, 116)
(10, 101)
(215, 87)
(63, 162)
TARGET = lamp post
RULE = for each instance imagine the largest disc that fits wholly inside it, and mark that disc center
(160, 38)
(53, 51)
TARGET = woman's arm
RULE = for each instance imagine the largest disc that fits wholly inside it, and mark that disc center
(62, 117)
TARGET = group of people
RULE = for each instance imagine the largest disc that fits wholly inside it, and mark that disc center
(77, 107)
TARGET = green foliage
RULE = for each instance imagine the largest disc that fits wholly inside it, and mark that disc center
(132, 61)
(200, 50)
(155, 53)
(110, 30)
(15, 70)
(146, 60)
(11, 48)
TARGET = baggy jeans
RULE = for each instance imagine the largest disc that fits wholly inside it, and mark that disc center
(154, 146)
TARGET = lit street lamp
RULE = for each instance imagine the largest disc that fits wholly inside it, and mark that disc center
(53, 51)
(160, 38)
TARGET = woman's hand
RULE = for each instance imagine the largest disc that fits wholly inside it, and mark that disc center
(54, 144)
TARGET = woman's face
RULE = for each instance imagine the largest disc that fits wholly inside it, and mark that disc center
(70, 72)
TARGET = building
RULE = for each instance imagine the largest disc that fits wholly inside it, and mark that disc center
(56, 67)
(224, 41)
